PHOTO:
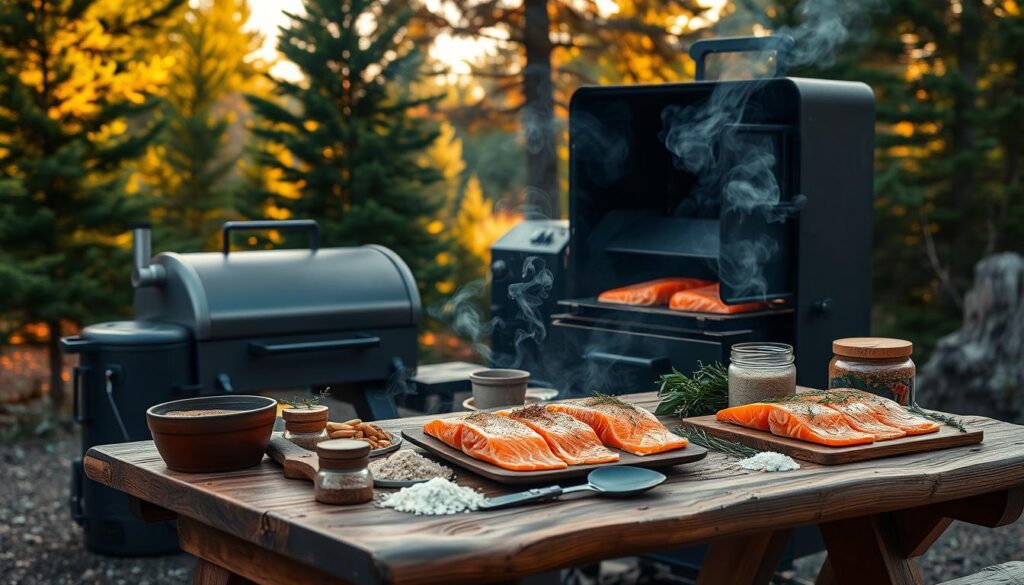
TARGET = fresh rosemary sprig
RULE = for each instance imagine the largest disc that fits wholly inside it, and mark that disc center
(699, 437)
(945, 419)
(706, 392)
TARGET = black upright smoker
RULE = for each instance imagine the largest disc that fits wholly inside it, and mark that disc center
(763, 185)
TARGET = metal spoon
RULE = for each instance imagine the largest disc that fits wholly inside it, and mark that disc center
(619, 481)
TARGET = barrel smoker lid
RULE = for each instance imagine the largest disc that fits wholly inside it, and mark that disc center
(135, 333)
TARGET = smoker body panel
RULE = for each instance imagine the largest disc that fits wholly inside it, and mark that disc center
(835, 229)
(282, 361)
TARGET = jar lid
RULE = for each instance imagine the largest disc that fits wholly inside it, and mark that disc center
(872, 347)
(343, 454)
(311, 414)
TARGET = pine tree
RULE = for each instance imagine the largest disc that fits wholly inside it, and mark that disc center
(354, 146)
(71, 78)
(192, 168)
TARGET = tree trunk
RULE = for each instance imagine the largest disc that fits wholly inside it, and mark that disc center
(56, 367)
(963, 186)
(538, 117)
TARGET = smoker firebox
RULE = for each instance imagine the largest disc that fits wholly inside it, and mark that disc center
(762, 185)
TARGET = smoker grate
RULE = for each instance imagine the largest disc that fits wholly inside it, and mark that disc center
(593, 304)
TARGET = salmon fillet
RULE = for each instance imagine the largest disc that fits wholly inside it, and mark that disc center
(622, 425)
(570, 440)
(652, 292)
(495, 439)
(891, 413)
(859, 414)
(806, 421)
(708, 299)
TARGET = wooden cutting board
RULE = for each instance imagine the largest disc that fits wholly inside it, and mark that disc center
(493, 472)
(763, 440)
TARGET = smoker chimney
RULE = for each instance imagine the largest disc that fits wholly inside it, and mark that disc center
(144, 273)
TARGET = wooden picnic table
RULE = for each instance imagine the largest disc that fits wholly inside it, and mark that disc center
(875, 516)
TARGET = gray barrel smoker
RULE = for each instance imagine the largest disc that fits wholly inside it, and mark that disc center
(219, 322)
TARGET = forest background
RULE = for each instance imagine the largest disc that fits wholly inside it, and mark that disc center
(433, 126)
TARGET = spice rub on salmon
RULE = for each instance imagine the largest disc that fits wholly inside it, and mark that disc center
(652, 292)
(622, 425)
(570, 440)
(885, 411)
(803, 420)
(498, 440)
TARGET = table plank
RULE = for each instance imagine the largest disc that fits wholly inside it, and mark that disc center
(701, 502)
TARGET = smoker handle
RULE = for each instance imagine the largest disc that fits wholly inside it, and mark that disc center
(77, 400)
(658, 363)
(362, 342)
(306, 225)
(781, 44)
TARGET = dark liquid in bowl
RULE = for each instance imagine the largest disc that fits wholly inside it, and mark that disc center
(207, 412)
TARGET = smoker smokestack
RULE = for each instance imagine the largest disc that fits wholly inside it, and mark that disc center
(144, 273)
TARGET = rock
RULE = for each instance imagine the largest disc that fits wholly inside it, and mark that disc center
(980, 368)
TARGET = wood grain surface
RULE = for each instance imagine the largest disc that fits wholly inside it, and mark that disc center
(824, 455)
(574, 472)
(701, 502)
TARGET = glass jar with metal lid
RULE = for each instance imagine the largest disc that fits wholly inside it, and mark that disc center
(874, 364)
(306, 426)
(760, 371)
(343, 477)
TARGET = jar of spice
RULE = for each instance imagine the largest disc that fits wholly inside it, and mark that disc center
(874, 364)
(306, 426)
(760, 371)
(343, 477)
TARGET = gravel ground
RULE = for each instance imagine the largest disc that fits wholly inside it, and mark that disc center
(41, 545)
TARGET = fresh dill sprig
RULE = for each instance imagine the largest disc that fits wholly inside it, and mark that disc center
(699, 437)
(945, 419)
(705, 392)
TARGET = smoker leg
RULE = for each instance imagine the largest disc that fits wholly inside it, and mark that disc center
(373, 404)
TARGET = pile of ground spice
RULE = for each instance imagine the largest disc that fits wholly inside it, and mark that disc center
(409, 465)
(434, 498)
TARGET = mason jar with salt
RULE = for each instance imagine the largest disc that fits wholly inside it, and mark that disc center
(760, 371)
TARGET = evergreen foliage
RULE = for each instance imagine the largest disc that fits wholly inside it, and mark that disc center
(73, 84)
(346, 138)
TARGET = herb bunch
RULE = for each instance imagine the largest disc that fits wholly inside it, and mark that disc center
(705, 392)
(938, 417)
(304, 402)
(699, 437)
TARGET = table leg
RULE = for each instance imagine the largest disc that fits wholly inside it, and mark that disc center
(747, 560)
(207, 573)
(866, 550)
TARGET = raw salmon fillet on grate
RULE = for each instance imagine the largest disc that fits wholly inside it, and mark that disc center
(708, 299)
(570, 440)
(498, 440)
(803, 420)
(652, 292)
(622, 425)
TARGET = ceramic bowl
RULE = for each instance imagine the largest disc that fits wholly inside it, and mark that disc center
(213, 442)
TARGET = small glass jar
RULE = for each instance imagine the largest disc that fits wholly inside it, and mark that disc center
(760, 371)
(306, 427)
(343, 477)
(878, 365)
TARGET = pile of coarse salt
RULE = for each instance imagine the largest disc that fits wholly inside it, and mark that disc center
(434, 498)
(769, 461)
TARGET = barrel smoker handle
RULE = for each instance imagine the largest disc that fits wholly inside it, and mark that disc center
(781, 44)
(304, 225)
(359, 342)
(655, 363)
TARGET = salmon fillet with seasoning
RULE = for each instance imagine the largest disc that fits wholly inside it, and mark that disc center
(860, 415)
(890, 413)
(622, 425)
(708, 299)
(652, 292)
(498, 440)
(803, 420)
(570, 440)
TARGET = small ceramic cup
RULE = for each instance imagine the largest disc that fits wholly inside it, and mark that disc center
(494, 388)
